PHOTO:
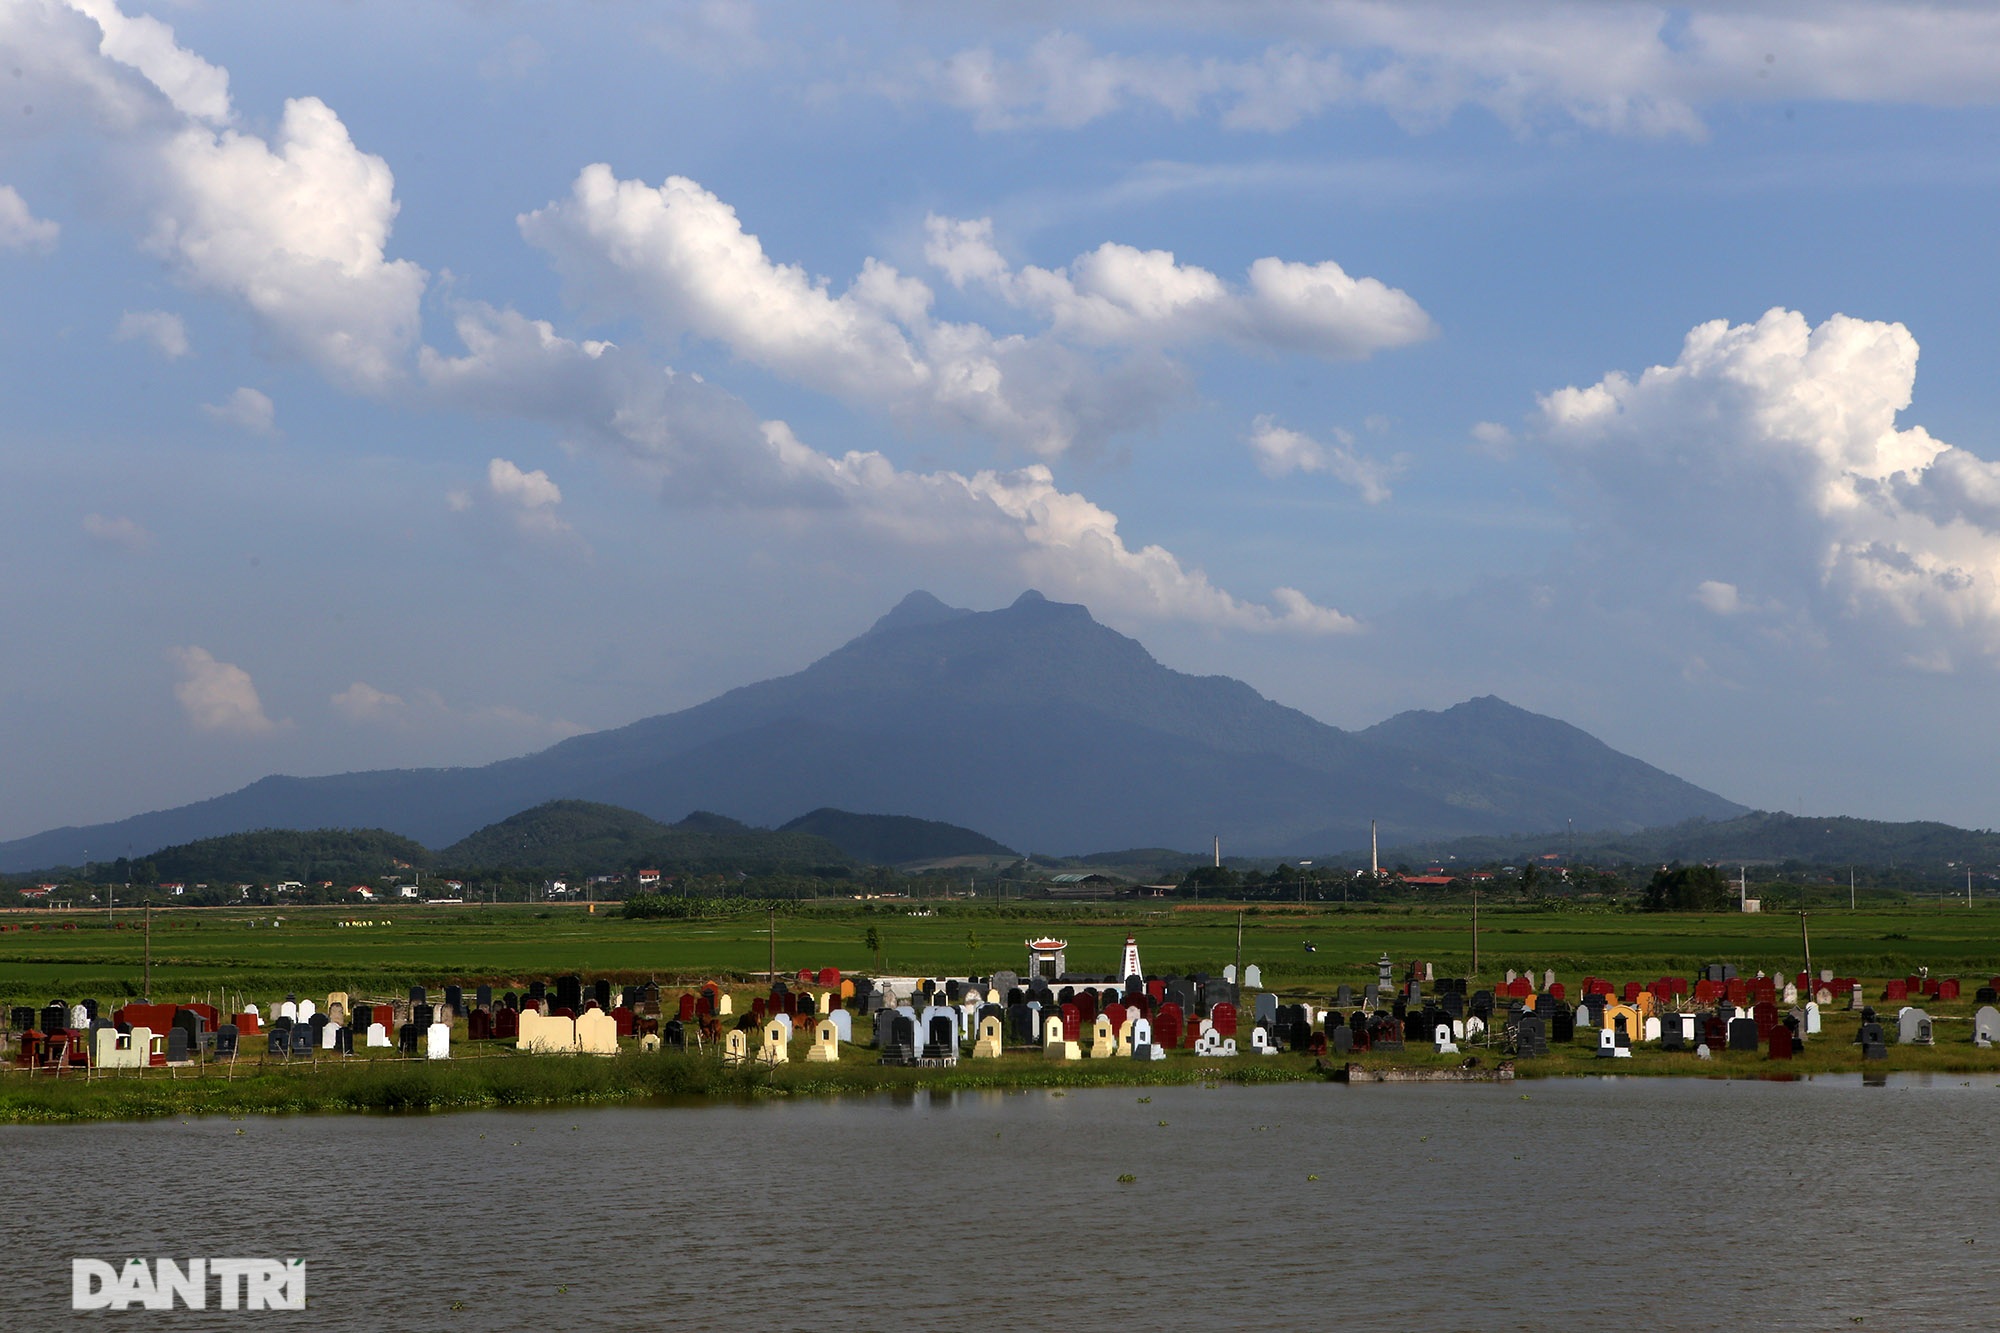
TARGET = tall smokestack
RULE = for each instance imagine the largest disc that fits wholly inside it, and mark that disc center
(1218, 851)
(1374, 853)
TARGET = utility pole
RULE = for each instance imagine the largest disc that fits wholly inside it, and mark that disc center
(1850, 888)
(1805, 939)
(1239, 948)
(1303, 867)
(774, 945)
(1475, 933)
(148, 988)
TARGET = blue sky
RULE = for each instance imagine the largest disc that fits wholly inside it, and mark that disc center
(389, 388)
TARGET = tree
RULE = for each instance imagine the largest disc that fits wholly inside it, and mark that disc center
(872, 941)
(1687, 889)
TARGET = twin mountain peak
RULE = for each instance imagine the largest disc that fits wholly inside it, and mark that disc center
(1033, 724)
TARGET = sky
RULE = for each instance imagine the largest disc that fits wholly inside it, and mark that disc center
(388, 385)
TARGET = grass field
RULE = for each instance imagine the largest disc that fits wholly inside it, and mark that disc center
(264, 954)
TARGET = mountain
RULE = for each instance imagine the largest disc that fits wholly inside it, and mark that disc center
(891, 840)
(1033, 723)
(589, 837)
(309, 855)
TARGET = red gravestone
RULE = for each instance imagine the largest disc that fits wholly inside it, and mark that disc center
(385, 1015)
(1116, 1013)
(1766, 1015)
(1224, 1018)
(1072, 1021)
(1140, 1005)
(507, 1025)
(246, 1025)
(1086, 1005)
(1156, 990)
(478, 1025)
(1931, 988)
(1706, 992)
(1631, 992)
(687, 1007)
(757, 1008)
(1556, 991)
(805, 975)
(1167, 1026)
(1781, 1043)
(829, 976)
(622, 1017)
(1896, 990)
(1520, 988)
(1948, 989)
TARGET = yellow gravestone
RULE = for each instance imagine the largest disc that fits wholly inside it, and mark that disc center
(596, 1033)
(826, 1044)
(1103, 1041)
(987, 1047)
(773, 1051)
(735, 1047)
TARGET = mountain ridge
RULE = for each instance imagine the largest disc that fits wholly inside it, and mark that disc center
(1033, 723)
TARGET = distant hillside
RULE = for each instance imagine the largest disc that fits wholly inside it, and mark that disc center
(894, 839)
(1756, 838)
(1034, 724)
(587, 837)
(341, 855)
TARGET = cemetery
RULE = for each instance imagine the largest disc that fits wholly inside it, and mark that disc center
(568, 1037)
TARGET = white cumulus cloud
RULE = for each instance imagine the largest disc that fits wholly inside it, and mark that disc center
(1281, 450)
(163, 329)
(246, 409)
(528, 498)
(295, 228)
(218, 696)
(1117, 294)
(706, 448)
(20, 229)
(1770, 453)
(362, 702)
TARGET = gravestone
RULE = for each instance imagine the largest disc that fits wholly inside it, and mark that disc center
(735, 1046)
(1266, 1008)
(406, 1039)
(1743, 1034)
(1870, 1039)
(1913, 1028)
(1253, 977)
(1531, 1037)
(988, 1044)
(1342, 1040)
(418, 995)
(774, 1047)
(226, 1038)
(378, 1035)
(1103, 1039)
(826, 1043)
(437, 1042)
(279, 1042)
(673, 1033)
(1056, 1044)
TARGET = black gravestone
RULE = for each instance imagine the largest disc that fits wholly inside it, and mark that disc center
(1743, 1034)
(1531, 1037)
(225, 1041)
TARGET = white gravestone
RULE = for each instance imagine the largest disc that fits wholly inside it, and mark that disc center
(437, 1042)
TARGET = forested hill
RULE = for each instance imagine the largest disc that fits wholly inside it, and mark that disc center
(1761, 837)
(591, 837)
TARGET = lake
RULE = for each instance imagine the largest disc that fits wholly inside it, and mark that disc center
(1561, 1204)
